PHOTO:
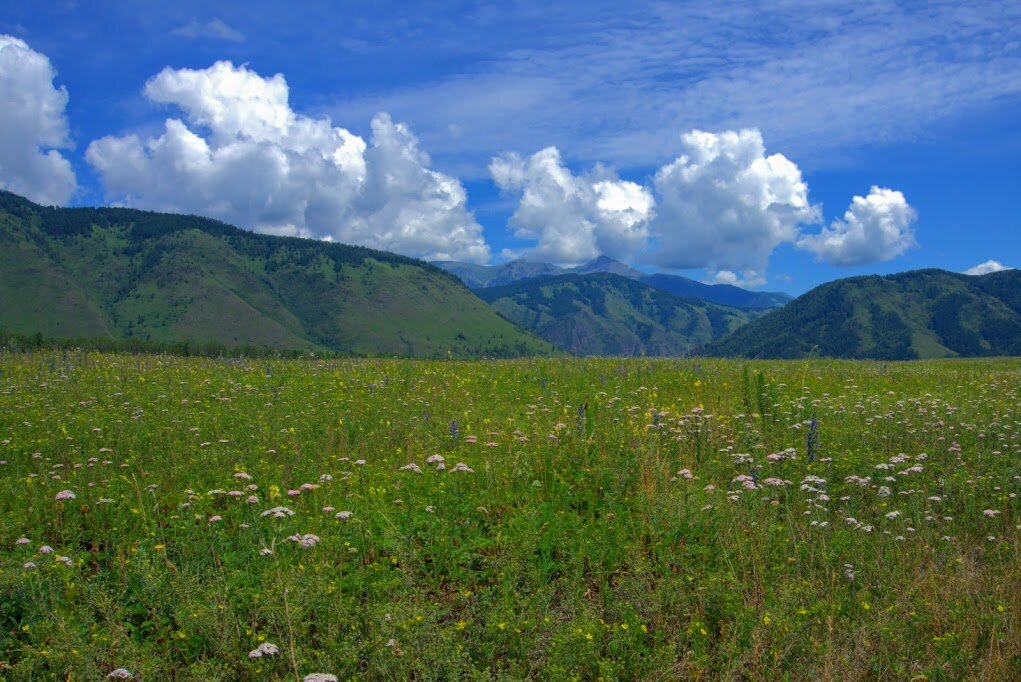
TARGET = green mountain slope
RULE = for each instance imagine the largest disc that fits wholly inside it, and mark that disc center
(122, 273)
(606, 314)
(38, 295)
(482, 276)
(920, 314)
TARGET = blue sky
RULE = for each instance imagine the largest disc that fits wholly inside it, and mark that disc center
(920, 101)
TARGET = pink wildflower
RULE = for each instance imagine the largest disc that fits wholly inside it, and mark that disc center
(264, 649)
(306, 541)
(746, 481)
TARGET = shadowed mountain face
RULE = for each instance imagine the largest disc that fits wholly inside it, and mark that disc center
(482, 276)
(724, 294)
(607, 314)
(920, 314)
(122, 273)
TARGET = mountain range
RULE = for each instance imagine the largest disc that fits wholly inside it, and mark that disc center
(123, 273)
(483, 276)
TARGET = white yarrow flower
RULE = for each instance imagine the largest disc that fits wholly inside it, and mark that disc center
(278, 512)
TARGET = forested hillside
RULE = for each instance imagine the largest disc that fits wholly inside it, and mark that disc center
(123, 273)
(919, 314)
(606, 314)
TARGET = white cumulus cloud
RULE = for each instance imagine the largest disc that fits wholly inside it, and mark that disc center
(723, 205)
(874, 228)
(242, 155)
(573, 218)
(987, 267)
(32, 126)
(727, 277)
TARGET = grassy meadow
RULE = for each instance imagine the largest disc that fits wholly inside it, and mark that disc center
(198, 519)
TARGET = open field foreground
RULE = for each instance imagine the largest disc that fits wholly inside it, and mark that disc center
(547, 519)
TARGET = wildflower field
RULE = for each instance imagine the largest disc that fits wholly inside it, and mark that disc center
(198, 519)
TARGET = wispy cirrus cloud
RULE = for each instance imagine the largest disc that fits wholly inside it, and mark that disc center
(215, 28)
(622, 85)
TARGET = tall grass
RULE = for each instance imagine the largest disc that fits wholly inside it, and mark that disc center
(613, 519)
